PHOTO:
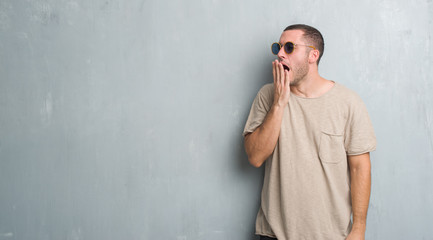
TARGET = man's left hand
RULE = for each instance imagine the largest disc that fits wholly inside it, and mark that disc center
(356, 236)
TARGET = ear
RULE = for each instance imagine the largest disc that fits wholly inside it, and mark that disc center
(313, 56)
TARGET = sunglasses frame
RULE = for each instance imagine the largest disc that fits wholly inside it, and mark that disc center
(284, 47)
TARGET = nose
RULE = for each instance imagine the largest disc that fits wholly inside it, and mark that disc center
(281, 54)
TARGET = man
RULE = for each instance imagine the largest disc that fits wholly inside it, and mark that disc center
(314, 136)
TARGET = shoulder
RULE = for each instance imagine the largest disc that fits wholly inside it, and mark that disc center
(267, 88)
(347, 95)
(351, 102)
(267, 91)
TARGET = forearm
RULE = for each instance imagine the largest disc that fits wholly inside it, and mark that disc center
(360, 193)
(260, 144)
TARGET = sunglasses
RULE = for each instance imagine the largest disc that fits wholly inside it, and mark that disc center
(288, 47)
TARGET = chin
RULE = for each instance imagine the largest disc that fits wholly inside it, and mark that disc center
(294, 83)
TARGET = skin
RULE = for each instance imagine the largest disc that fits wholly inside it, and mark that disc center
(304, 80)
(360, 176)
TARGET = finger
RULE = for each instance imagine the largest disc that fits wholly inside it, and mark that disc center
(282, 75)
(274, 72)
(278, 73)
(286, 74)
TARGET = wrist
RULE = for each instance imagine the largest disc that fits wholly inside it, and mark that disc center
(278, 106)
(358, 227)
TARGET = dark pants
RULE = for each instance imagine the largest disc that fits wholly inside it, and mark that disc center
(267, 238)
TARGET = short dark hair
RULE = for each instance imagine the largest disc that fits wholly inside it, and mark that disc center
(312, 36)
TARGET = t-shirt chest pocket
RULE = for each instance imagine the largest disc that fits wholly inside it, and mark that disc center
(331, 148)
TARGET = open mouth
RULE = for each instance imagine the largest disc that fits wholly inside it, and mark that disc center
(286, 68)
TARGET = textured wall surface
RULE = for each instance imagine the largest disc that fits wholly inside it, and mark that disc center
(123, 119)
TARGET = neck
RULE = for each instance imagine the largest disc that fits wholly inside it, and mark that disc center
(312, 86)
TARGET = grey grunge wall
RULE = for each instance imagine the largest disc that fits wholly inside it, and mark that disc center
(123, 119)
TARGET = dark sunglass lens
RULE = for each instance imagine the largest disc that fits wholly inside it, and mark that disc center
(275, 48)
(288, 47)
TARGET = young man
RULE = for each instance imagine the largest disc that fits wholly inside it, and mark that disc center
(314, 136)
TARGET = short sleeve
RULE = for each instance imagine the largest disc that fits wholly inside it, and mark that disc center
(260, 108)
(359, 134)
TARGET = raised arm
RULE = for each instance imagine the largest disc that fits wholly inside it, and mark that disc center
(260, 144)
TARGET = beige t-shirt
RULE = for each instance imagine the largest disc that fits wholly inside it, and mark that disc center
(306, 189)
